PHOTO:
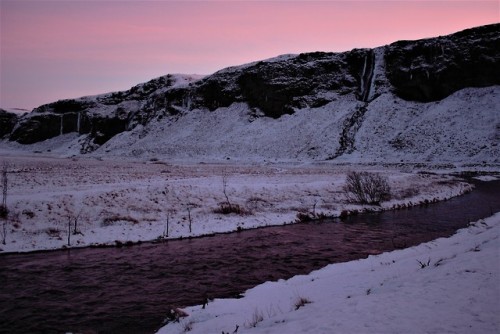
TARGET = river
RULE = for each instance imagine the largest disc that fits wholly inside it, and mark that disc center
(129, 290)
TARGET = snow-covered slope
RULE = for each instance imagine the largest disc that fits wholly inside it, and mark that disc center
(461, 128)
(434, 100)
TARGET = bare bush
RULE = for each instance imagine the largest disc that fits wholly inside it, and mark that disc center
(367, 188)
(256, 203)
(304, 217)
(225, 209)
(111, 220)
(187, 326)
(4, 212)
(53, 232)
(301, 301)
(256, 318)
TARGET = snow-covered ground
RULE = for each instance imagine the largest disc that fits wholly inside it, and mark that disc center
(120, 201)
(450, 285)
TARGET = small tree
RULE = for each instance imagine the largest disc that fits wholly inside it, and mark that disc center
(69, 231)
(167, 226)
(75, 223)
(367, 188)
(189, 207)
(3, 232)
(225, 178)
(3, 207)
(5, 182)
(226, 207)
(189, 218)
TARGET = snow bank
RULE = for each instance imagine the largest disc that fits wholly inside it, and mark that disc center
(450, 285)
(118, 201)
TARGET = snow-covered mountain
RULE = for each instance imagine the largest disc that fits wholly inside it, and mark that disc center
(431, 100)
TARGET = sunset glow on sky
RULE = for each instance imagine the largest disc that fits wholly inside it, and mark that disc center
(52, 50)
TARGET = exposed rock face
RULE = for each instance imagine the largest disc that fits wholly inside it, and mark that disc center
(37, 128)
(101, 117)
(424, 70)
(276, 87)
(431, 69)
(44, 125)
(7, 122)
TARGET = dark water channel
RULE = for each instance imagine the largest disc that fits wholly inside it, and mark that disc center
(129, 290)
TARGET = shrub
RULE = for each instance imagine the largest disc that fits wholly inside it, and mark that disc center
(255, 203)
(256, 318)
(111, 220)
(53, 232)
(4, 212)
(188, 326)
(367, 188)
(226, 208)
(28, 213)
(301, 301)
(304, 217)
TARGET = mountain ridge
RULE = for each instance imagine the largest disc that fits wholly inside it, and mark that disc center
(338, 88)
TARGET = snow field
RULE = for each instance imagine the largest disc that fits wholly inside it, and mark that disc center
(121, 201)
(449, 285)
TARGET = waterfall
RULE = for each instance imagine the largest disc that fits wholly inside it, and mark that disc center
(363, 73)
(78, 122)
(186, 102)
(61, 126)
(367, 76)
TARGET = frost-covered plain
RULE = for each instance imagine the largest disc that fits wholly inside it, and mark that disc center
(123, 201)
(450, 285)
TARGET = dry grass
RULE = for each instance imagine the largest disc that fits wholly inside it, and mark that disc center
(112, 220)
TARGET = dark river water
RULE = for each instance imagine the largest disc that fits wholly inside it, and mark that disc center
(129, 290)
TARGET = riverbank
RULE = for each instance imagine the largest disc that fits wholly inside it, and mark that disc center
(446, 285)
(58, 203)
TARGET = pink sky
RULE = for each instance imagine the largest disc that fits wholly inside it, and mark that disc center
(59, 49)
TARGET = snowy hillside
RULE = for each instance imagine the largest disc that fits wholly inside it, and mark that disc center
(464, 127)
(434, 100)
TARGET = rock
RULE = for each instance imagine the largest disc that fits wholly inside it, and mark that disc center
(7, 122)
(65, 106)
(279, 85)
(431, 69)
(36, 128)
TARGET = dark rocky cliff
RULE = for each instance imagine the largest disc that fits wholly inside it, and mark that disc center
(7, 122)
(424, 70)
(431, 69)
